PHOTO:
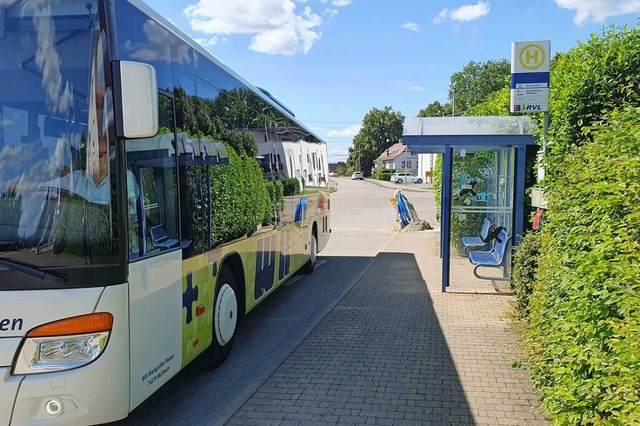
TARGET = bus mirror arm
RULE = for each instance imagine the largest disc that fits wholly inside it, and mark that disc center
(135, 95)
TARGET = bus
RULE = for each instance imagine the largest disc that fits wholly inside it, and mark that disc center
(137, 226)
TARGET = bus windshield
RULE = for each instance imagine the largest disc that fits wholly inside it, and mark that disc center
(57, 207)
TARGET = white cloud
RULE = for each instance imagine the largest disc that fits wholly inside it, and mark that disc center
(444, 13)
(277, 27)
(337, 3)
(330, 13)
(466, 13)
(59, 94)
(156, 47)
(416, 88)
(347, 133)
(339, 154)
(206, 42)
(411, 26)
(598, 10)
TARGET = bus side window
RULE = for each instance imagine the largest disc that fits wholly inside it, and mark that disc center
(133, 202)
(158, 183)
(153, 163)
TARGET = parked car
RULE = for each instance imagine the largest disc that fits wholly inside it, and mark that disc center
(405, 177)
(357, 175)
(333, 174)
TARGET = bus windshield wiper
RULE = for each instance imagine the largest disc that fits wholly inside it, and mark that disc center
(44, 276)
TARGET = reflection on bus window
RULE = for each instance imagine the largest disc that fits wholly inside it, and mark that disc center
(56, 136)
(152, 187)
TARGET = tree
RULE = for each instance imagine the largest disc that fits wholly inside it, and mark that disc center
(380, 129)
(436, 109)
(496, 103)
(477, 81)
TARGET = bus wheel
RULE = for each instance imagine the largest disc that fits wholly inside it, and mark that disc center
(311, 264)
(225, 318)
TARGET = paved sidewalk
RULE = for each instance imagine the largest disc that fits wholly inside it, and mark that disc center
(397, 351)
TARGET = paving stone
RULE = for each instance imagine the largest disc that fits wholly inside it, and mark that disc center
(396, 350)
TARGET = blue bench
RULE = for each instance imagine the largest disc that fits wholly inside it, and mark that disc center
(494, 258)
(159, 237)
(480, 241)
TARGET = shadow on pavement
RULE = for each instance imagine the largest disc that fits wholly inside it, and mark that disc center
(379, 354)
(366, 347)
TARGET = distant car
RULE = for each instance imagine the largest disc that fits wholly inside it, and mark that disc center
(405, 177)
(333, 174)
(357, 175)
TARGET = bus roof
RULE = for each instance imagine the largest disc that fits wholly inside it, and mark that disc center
(267, 97)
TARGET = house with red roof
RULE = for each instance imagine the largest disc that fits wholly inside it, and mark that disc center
(398, 157)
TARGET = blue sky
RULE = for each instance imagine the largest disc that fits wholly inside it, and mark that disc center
(332, 61)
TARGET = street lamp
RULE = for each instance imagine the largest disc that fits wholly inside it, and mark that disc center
(405, 165)
(387, 146)
(266, 135)
(453, 102)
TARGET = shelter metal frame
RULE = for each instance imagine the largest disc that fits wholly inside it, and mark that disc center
(446, 135)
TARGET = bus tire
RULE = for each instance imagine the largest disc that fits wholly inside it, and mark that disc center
(226, 317)
(313, 251)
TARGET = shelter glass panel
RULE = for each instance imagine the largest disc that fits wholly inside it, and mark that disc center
(482, 197)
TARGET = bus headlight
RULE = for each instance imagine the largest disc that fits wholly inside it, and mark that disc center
(65, 344)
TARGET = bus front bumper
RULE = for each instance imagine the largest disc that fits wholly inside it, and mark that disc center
(80, 399)
(97, 392)
(8, 395)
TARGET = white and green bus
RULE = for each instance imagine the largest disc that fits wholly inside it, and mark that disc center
(137, 227)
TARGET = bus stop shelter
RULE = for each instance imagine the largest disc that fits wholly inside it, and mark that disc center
(483, 176)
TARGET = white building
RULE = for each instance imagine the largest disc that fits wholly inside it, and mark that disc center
(284, 152)
(398, 157)
(426, 164)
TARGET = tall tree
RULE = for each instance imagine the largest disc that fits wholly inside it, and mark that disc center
(476, 82)
(497, 103)
(380, 129)
(436, 109)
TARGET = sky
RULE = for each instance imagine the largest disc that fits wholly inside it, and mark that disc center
(332, 61)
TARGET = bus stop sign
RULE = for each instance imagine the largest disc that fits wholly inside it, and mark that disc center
(530, 76)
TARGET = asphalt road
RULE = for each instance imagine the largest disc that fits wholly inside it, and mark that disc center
(362, 222)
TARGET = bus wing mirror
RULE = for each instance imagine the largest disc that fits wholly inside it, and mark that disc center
(136, 94)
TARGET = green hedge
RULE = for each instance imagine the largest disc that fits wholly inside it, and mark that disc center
(239, 198)
(584, 336)
(379, 175)
(84, 229)
(268, 211)
(291, 186)
(589, 81)
(525, 269)
(584, 322)
(278, 199)
(275, 189)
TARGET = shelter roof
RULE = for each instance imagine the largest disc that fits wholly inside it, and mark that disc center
(432, 134)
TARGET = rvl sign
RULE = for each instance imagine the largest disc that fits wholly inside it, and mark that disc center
(530, 76)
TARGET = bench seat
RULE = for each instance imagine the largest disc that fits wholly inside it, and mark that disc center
(485, 258)
(159, 238)
(493, 258)
(477, 241)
